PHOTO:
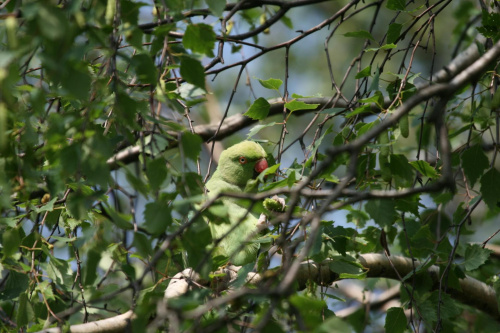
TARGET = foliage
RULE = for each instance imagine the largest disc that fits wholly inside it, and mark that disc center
(106, 141)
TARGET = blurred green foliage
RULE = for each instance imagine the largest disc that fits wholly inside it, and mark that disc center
(101, 171)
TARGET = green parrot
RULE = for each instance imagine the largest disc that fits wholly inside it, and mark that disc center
(237, 165)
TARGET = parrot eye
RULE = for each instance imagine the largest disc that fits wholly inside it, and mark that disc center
(242, 160)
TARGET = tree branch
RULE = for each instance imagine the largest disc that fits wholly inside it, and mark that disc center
(460, 65)
(109, 325)
(472, 292)
(231, 125)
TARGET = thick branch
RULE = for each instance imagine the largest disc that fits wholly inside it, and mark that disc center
(459, 65)
(231, 125)
(473, 292)
(110, 325)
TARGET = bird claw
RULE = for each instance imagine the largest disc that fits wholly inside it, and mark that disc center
(280, 200)
(262, 222)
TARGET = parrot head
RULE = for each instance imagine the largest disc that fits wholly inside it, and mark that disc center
(241, 162)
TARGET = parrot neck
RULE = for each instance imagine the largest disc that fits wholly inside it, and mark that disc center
(221, 183)
(233, 176)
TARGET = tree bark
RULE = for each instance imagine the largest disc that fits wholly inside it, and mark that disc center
(473, 292)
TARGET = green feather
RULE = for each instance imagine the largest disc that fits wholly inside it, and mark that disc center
(236, 167)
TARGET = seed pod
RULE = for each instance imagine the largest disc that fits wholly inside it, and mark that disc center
(383, 140)
(383, 157)
(404, 125)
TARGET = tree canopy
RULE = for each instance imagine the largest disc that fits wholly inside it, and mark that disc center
(381, 121)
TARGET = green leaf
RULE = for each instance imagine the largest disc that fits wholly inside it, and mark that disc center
(130, 10)
(295, 105)
(242, 275)
(273, 84)
(278, 184)
(158, 217)
(396, 4)
(491, 25)
(346, 265)
(394, 86)
(364, 72)
(137, 181)
(360, 34)
(475, 256)
(52, 22)
(409, 205)
(314, 147)
(490, 185)
(404, 125)
(121, 220)
(142, 244)
(76, 81)
(189, 91)
(156, 172)
(377, 98)
(60, 272)
(311, 310)
(90, 269)
(382, 211)
(360, 276)
(79, 203)
(375, 83)
(291, 180)
(25, 312)
(287, 21)
(128, 270)
(259, 109)
(401, 168)
(190, 184)
(495, 100)
(10, 241)
(358, 217)
(191, 145)
(15, 285)
(144, 67)
(216, 6)
(200, 38)
(110, 11)
(269, 171)
(395, 321)
(192, 71)
(48, 207)
(383, 47)
(218, 210)
(422, 267)
(474, 162)
(393, 32)
(422, 237)
(424, 168)
(195, 241)
(449, 308)
(126, 108)
(335, 324)
(256, 129)
(362, 109)
(388, 46)
(64, 239)
(366, 165)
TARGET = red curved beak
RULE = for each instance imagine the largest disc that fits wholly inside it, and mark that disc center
(261, 165)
